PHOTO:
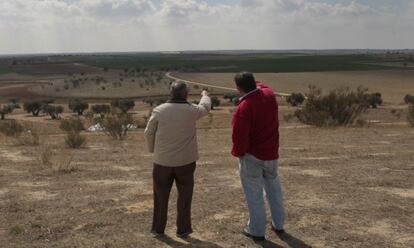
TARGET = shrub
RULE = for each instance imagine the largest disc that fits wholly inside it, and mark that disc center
(11, 128)
(148, 100)
(75, 83)
(5, 109)
(375, 99)
(295, 99)
(215, 102)
(78, 106)
(101, 109)
(410, 115)
(73, 127)
(16, 230)
(53, 111)
(339, 107)
(116, 125)
(65, 164)
(230, 96)
(409, 99)
(30, 138)
(14, 102)
(46, 156)
(33, 107)
(123, 104)
(74, 140)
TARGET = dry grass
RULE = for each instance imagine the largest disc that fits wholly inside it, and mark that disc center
(59, 161)
(345, 187)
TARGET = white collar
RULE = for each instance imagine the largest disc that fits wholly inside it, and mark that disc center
(247, 94)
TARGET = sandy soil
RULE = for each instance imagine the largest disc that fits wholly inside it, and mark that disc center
(344, 187)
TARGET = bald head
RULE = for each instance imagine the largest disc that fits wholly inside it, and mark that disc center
(179, 91)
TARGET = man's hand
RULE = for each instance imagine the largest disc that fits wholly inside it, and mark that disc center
(204, 93)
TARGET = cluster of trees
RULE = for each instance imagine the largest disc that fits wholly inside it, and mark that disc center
(75, 105)
(45, 106)
(8, 108)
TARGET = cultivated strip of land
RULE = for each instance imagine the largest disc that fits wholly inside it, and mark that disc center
(215, 86)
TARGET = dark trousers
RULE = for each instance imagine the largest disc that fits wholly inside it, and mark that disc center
(163, 179)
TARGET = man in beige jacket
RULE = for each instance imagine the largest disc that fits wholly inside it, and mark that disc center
(171, 135)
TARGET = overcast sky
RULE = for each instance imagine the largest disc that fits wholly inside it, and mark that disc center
(42, 26)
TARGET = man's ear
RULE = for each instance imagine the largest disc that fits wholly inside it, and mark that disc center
(240, 91)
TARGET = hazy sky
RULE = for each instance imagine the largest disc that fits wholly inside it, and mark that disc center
(38, 26)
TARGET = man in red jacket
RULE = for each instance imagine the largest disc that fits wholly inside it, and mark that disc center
(256, 144)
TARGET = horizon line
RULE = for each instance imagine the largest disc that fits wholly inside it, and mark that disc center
(204, 51)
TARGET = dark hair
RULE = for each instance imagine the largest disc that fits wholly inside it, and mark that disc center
(179, 91)
(245, 81)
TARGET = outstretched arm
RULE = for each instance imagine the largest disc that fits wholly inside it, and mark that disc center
(204, 107)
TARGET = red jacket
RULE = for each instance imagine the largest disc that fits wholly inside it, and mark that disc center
(256, 125)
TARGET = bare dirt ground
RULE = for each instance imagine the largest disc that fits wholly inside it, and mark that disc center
(394, 85)
(344, 187)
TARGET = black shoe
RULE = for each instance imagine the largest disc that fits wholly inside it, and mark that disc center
(157, 234)
(278, 231)
(246, 233)
(184, 235)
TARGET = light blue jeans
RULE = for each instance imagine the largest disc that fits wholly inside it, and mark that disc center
(257, 175)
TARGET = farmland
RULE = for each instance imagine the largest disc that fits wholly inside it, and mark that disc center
(343, 186)
(393, 84)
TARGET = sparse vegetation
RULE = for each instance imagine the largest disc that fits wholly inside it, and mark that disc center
(33, 107)
(30, 138)
(375, 99)
(295, 99)
(230, 96)
(101, 109)
(410, 115)
(46, 156)
(116, 125)
(11, 128)
(78, 106)
(339, 107)
(52, 110)
(65, 163)
(409, 99)
(74, 140)
(5, 109)
(16, 230)
(124, 105)
(215, 102)
(73, 128)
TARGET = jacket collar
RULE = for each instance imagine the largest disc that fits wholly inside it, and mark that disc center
(181, 101)
(248, 94)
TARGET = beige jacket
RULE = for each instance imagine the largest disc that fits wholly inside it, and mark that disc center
(171, 132)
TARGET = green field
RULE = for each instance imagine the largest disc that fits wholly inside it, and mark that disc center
(234, 63)
(203, 62)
